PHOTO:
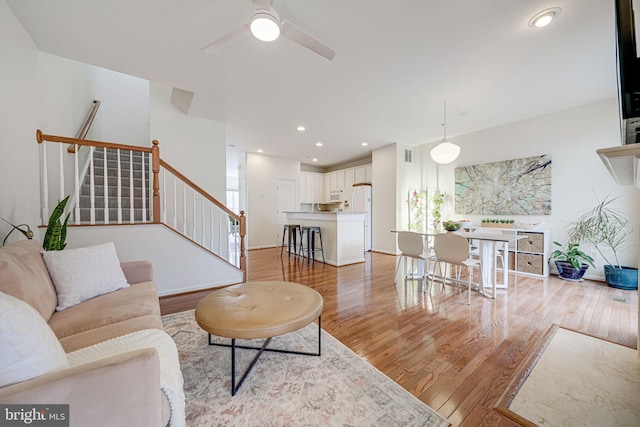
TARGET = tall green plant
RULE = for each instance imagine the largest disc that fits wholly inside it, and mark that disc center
(436, 210)
(603, 227)
(56, 235)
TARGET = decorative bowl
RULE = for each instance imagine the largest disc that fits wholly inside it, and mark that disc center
(452, 225)
(530, 226)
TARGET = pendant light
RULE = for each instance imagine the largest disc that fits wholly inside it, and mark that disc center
(445, 152)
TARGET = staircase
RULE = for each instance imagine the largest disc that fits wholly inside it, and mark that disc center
(141, 195)
(134, 185)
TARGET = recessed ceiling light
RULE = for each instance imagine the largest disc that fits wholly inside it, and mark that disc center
(300, 128)
(314, 160)
(544, 18)
(232, 146)
(260, 151)
(364, 144)
(318, 144)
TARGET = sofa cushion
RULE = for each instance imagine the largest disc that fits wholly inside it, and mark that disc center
(28, 347)
(137, 300)
(24, 275)
(84, 273)
(94, 336)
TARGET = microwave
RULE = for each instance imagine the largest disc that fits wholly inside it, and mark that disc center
(335, 196)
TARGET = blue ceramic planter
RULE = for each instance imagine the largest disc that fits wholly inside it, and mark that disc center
(621, 278)
(569, 272)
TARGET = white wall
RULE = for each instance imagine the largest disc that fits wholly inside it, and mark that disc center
(263, 228)
(386, 200)
(178, 265)
(68, 89)
(194, 146)
(579, 178)
(19, 113)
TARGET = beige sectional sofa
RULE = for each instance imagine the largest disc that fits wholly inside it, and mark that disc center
(119, 390)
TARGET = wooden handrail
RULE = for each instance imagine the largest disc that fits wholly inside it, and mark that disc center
(197, 188)
(82, 133)
(41, 137)
(156, 163)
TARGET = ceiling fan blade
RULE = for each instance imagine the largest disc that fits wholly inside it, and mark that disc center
(299, 36)
(228, 39)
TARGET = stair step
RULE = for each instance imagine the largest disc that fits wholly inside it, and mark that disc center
(98, 181)
(85, 202)
(85, 215)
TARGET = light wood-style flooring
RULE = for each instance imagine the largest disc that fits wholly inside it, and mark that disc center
(456, 358)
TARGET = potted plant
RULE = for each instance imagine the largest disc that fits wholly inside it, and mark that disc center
(56, 234)
(607, 229)
(571, 262)
(436, 211)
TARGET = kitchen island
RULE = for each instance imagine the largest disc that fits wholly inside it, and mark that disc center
(342, 234)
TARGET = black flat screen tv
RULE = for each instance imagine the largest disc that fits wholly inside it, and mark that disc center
(628, 33)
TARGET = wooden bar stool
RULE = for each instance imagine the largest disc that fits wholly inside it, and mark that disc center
(309, 232)
(292, 231)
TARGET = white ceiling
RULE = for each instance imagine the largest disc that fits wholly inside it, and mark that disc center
(396, 62)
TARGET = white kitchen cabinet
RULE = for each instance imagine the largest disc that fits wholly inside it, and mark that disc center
(349, 180)
(333, 180)
(340, 179)
(367, 174)
(310, 188)
(327, 187)
(318, 187)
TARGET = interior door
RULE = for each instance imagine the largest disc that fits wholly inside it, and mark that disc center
(285, 198)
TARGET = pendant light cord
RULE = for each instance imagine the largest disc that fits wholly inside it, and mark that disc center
(445, 121)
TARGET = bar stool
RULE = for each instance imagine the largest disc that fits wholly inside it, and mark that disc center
(292, 231)
(311, 250)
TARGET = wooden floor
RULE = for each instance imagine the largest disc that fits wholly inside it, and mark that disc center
(456, 358)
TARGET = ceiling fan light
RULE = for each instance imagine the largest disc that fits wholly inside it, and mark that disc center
(445, 152)
(265, 26)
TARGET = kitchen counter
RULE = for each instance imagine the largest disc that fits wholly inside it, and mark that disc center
(342, 234)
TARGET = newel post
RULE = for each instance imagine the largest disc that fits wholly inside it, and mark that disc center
(243, 232)
(155, 165)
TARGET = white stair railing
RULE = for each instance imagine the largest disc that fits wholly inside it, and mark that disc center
(193, 212)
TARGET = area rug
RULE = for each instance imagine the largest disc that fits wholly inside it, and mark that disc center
(580, 380)
(336, 389)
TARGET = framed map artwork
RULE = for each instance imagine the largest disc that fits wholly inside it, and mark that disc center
(510, 187)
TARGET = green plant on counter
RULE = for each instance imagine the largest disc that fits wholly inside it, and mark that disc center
(56, 235)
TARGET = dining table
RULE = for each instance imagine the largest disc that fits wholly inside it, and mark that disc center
(488, 246)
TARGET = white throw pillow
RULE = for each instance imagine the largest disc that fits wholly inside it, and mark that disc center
(28, 346)
(84, 273)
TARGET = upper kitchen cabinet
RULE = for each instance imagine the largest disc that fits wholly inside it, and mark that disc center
(336, 180)
(349, 180)
(310, 188)
(362, 174)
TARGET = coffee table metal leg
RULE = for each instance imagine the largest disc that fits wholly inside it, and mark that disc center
(235, 387)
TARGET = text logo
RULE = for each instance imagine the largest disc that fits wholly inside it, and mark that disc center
(34, 415)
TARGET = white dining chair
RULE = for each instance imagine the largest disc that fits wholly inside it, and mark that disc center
(452, 248)
(411, 245)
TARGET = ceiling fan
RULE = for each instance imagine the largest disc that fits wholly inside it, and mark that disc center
(265, 25)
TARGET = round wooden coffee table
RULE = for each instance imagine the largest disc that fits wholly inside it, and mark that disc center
(258, 310)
